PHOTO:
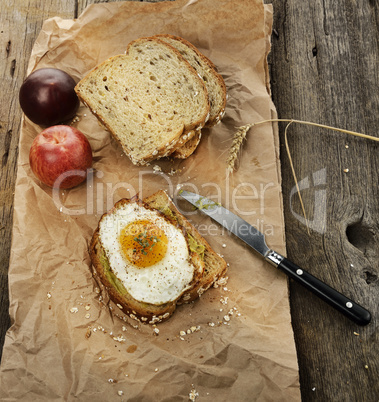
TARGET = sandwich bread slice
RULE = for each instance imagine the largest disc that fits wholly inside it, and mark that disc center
(148, 98)
(207, 71)
(150, 258)
(213, 81)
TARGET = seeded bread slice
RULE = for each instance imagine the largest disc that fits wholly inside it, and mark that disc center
(103, 272)
(206, 69)
(147, 98)
(209, 265)
(214, 265)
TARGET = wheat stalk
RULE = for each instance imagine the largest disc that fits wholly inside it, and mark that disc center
(241, 135)
(242, 131)
(238, 139)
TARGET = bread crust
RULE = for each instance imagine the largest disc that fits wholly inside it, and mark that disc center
(188, 148)
(216, 117)
(146, 312)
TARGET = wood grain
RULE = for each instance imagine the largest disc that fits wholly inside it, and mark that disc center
(324, 69)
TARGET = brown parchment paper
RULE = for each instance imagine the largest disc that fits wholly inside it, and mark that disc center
(64, 343)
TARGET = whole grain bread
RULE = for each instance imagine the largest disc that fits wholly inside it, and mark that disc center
(213, 81)
(206, 70)
(148, 98)
(209, 265)
(215, 266)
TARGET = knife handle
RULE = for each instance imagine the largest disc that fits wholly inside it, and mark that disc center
(337, 300)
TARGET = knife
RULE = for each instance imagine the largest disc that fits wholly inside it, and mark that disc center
(255, 239)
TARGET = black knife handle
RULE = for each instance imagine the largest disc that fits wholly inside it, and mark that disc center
(340, 302)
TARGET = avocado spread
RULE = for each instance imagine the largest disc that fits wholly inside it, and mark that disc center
(167, 211)
(195, 246)
(112, 278)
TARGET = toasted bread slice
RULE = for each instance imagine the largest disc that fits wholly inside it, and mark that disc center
(214, 265)
(208, 266)
(147, 98)
(206, 69)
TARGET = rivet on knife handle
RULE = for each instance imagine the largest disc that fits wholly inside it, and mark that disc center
(337, 300)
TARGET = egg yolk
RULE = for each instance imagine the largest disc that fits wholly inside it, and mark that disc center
(143, 243)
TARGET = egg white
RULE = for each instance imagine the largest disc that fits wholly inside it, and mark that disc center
(161, 282)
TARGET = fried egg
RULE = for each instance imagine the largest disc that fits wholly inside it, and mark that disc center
(147, 253)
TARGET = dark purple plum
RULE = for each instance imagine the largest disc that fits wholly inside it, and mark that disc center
(47, 97)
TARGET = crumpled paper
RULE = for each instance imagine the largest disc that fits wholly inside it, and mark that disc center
(235, 342)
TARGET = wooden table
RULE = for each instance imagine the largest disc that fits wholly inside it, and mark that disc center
(324, 69)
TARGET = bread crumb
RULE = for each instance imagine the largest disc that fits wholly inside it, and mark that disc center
(220, 282)
(119, 338)
(189, 331)
(88, 333)
(74, 310)
(193, 395)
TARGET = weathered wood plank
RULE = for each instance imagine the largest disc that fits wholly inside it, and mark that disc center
(324, 69)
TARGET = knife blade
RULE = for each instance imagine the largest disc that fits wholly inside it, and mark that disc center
(256, 240)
